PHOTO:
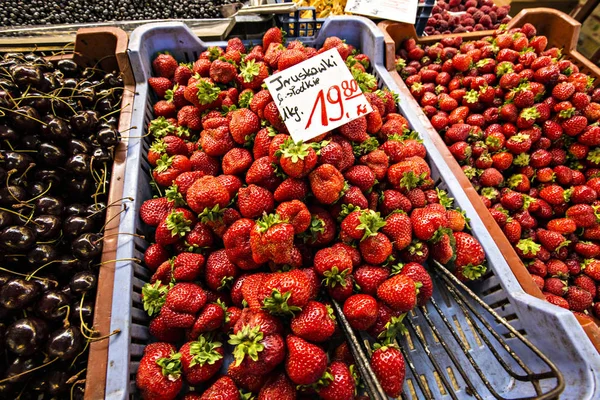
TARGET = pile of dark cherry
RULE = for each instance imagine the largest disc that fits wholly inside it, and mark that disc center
(58, 132)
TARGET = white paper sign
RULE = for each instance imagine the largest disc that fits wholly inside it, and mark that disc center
(396, 10)
(317, 95)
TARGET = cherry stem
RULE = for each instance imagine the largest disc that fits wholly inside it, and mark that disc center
(41, 194)
(23, 115)
(112, 204)
(113, 217)
(20, 216)
(29, 371)
(137, 260)
(34, 277)
(43, 266)
(66, 322)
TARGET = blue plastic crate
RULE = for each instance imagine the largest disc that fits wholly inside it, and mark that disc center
(546, 326)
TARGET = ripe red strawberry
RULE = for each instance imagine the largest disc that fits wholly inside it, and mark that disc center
(337, 383)
(326, 183)
(154, 211)
(243, 125)
(419, 274)
(159, 372)
(277, 387)
(285, 293)
(579, 299)
(262, 173)
(185, 297)
(177, 223)
(254, 200)
(556, 300)
(168, 168)
(219, 271)
(376, 249)
(470, 257)
(591, 268)
(207, 192)
(201, 360)
(272, 239)
(297, 159)
(388, 364)
(315, 323)
(361, 311)
(369, 277)
(164, 65)
(154, 256)
(333, 264)
(273, 35)
(164, 108)
(159, 329)
(224, 389)
(491, 177)
(305, 362)
(210, 318)
(552, 241)
(426, 222)
(399, 293)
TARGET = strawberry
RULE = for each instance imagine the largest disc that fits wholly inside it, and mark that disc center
(578, 299)
(165, 65)
(252, 74)
(207, 193)
(168, 168)
(164, 108)
(426, 222)
(272, 239)
(305, 362)
(491, 177)
(297, 159)
(223, 389)
(326, 183)
(154, 256)
(201, 360)
(337, 383)
(399, 293)
(188, 267)
(361, 311)
(243, 125)
(376, 249)
(153, 211)
(419, 274)
(219, 271)
(159, 329)
(334, 265)
(262, 173)
(315, 323)
(259, 347)
(273, 35)
(210, 318)
(277, 387)
(177, 223)
(186, 298)
(552, 241)
(388, 364)
(285, 293)
(160, 86)
(591, 267)
(470, 257)
(254, 200)
(159, 372)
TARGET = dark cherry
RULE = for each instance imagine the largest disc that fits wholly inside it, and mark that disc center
(41, 254)
(52, 154)
(26, 75)
(52, 305)
(79, 164)
(86, 246)
(49, 175)
(83, 311)
(68, 67)
(5, 99)
(108, 137)
(95, 211)
(113, 79)
(87, 96)
(78, 187)
(12, 194)
(48, 283)
(25, 119)
(37, 188)
(64, 343)
(47, 226)
(20, 365)
(25, 336)
(10, 87)
(75, 225)
(49, 205)
(18, 161)
(56, 129)
(30, 142)
(18, 294)
(6, 218)
(48, 83)
(38, 101)
(78, 146)
(4, 278)
(57, 382)
(17, 238)
(83, 281)
(75, 209)
(6, 132)
(101, 156)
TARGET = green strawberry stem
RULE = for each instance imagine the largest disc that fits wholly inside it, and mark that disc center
(204, 352)
(277, 303)
(371, 222)
(247, 342)
(171, 366)
(178, 224)
(154, 296)
(334, 276)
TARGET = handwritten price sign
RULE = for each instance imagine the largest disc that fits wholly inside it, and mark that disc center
(397, 10)
(317, 95)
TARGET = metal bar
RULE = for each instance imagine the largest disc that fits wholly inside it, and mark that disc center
(437, 367)
(450, 279)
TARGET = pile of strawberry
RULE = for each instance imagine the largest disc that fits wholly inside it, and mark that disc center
(254, 232)
(523, 122)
